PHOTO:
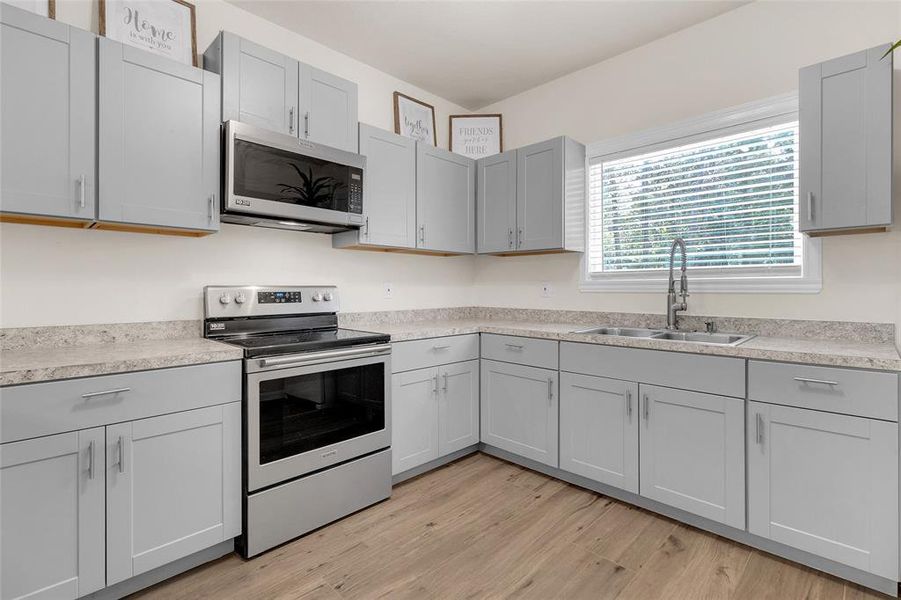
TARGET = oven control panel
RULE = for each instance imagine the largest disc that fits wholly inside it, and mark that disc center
(250, 301)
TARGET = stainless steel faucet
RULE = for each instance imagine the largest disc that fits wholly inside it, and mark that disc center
(673, 307)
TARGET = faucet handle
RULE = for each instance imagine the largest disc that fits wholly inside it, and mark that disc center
(711, 326)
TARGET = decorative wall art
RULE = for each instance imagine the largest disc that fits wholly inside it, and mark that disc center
(165, 27)
(476, 136)
(414, 119)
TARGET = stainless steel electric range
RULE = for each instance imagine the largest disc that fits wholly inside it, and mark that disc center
(317, 408)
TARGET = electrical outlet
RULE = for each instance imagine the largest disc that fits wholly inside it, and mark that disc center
(389, 290)
(546, 290)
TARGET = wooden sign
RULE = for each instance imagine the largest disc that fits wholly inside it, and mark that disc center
(414, 119)
(165, 27)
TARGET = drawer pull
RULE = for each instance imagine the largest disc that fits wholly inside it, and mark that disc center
(440, 347)
(514, 346)
(817, 381)
(90, 395)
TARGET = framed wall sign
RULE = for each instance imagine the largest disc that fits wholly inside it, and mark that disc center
(166, 27)
(45, 8)
(476, 136)
(414, 119)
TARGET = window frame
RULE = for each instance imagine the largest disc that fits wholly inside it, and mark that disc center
(806, 278)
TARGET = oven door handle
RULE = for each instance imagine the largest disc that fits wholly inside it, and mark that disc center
(301, 359)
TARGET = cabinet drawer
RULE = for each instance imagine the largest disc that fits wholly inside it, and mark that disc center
(419, 354)
(721, 375)
(38, 409)
(862, 393)
(520, 350)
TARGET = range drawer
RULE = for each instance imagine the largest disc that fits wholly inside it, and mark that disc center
(33, 410)
(520, 350)
(431, 352)
(871, 394)
(721, 375)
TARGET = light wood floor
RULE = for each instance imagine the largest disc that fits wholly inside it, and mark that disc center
(484, 528)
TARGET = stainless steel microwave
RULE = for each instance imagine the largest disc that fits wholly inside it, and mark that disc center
(278, 180)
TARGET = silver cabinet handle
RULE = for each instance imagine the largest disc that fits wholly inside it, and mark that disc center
(422, 233)
(291, 120)
(817, 381)
(440, 347)
(212, 207)
(91, 452)
(444, 389)
(367, 227)
(81, 191)
(435, 388)
(759, 423)
(510, 237)
(306, 124)
(120, 452)
(629, 404)
(646, 409)
(810, 206)
(519, 238)
(516, 347)
(90, 395)
(550, 390)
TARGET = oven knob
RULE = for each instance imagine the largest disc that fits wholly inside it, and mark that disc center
(328, 297)
(225, 298)
(240, 298)
(317, 297)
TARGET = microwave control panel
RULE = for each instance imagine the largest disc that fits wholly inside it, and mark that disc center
(355, 191)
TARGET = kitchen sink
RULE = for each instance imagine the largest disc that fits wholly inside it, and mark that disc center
(697, 337)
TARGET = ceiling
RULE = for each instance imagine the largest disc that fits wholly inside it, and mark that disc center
(475, 53)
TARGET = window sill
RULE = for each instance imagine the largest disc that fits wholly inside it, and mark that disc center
(744, 285)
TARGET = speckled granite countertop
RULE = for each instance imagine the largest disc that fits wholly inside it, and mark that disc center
(54, 353)
(828, 352)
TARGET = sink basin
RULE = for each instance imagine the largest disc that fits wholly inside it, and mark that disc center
(722, 339)
(621, 331)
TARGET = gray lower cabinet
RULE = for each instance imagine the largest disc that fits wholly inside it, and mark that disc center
(52, 512)
(48, 117)
(259, 85)
(846, 142)
(328, 105)
(825, 483)
(389, 192)
(445, 200)
(435, 412)
(173, 487)
(519, 410)
(158, 141)
(532, 199)
(599, 429)
(692, 454)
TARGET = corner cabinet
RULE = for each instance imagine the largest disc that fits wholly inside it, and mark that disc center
(846, 143)
(268, 89)
(532, 199)
(48, 118)
(158, 141)
(445, 200)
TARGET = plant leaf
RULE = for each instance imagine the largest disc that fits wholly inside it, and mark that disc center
(894, 47)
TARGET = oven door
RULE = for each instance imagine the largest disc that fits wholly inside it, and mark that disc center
(274, 175)
(307, 417)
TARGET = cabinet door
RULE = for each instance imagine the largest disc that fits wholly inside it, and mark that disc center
(48, 105)
(519, 410)
(51, 498)
(458, 406)
(599, 429)
(445, 200)
(173, 487)
(539, 195)
(158, 140)
(389, 188)
(692, 453)
(414, 419)
(496, 202)
(825, 483)
(846, 142)
(329, 109)
(259, 86)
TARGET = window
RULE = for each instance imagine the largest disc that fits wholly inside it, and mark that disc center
(727, 184)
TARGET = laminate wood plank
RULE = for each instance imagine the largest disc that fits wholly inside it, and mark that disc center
(484, 528)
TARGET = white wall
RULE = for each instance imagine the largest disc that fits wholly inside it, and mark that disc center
(52, 275)
(750, 53)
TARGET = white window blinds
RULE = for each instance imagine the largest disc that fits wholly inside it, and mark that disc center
(732, 198)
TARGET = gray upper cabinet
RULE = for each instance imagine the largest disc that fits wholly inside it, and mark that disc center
(846, 142)
(532, 199)
(329, 107)
(267, 89)
(259, 86)
(47, 115)
(158, 141)
(445, 200)
(496, 202)
(389, 192)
